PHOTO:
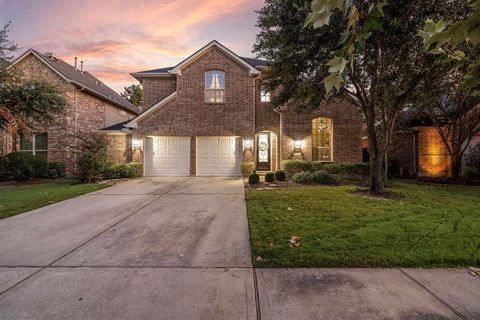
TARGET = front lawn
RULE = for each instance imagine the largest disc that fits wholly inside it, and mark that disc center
(432, 226)
(16, 198)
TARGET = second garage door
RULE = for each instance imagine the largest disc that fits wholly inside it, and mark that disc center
(167, 156)
(219, 156)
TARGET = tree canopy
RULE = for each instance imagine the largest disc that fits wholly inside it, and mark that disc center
(134, 94)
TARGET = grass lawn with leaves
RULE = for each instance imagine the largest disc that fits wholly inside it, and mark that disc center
(431, 226)
(16, 198)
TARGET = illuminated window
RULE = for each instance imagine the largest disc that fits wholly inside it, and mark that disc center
(265, 96)
(36, 144)
(215, 86)
(322, 139)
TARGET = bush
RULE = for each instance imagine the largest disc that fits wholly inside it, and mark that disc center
(95, 156)
(247, 168)
(295, 166)
(302, 177)
(347, 168)
(472, 158)
(320, 177)
(123, 170)
(56, 170)
(23, 166)
(253, 178)
(269, 177)
(280, 175)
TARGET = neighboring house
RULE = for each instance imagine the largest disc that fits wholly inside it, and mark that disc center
(91, 105)
(207, 115)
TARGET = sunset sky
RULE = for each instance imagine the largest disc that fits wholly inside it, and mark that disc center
(116, 37)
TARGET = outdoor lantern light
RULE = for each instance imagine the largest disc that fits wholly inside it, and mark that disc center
(247, 144)
(137, 144)
(297, 144)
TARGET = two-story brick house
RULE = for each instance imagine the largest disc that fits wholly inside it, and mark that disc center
(208, 114)
(91, 105)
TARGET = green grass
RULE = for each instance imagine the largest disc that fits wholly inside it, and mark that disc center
(432, 226)
(18, 198)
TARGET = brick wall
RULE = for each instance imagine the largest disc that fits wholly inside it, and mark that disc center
(91, 115)
(155, 89)
(120, 148)
(433, 158)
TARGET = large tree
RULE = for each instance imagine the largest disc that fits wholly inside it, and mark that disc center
(24, 103)
(378, 62)
(134, 94)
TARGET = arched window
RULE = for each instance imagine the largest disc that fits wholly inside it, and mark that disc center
(214, 86)
(322, 139)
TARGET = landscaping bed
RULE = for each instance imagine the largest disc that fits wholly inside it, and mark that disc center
(428, 225)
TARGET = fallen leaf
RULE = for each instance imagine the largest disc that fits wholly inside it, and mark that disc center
(271, 244)
(290, 209)
(259, 259)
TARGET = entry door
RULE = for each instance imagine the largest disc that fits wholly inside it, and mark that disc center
(263, 151)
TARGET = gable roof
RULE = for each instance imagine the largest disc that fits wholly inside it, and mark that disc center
(250, 63)
(118, 127)
(133, 123)
(81, 79)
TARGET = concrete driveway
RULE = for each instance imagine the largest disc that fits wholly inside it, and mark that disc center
(178, 248)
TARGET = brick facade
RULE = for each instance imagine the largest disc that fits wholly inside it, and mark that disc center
(120, 148)
(92, 113)
(242, 114)
(155, 89)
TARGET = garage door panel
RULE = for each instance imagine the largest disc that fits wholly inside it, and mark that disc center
(167, 156)
(219, 156)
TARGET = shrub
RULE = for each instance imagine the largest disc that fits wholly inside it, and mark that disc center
(347, 168)
(247, 168)
(280, 175)
(22, 166)
(322, 177)
(470, 173)
(295, 166)
(472, 158)
(95, 155)
(253, 178)
(270, 177)
(123, 170)
(56, 170)
(302, 177)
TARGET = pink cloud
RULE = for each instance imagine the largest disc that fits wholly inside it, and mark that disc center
(117, 37)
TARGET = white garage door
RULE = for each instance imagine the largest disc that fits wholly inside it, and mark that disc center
(167, 156)
(219, 156)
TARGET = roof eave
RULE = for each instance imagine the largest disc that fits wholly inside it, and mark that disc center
(142, 75)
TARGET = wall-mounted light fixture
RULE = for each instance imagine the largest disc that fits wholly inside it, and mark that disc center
(297, 145)
(247, 144)
(137, 144)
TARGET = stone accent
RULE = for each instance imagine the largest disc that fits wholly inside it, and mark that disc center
(64, 137)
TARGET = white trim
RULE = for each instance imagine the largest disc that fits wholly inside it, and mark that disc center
(133, 122)
(199, 53)
(141, 75)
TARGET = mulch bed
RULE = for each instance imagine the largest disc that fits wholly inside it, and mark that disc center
(387, 195)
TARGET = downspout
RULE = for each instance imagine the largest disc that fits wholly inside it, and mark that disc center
(75, 126)
(254, 144)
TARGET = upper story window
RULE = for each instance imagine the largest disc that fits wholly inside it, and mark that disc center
(36, 144)
(322, 139)
(214, 86)
(265, 96)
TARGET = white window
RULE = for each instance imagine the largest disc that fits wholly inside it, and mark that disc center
(214, 86)
(322, 136)
(36, 144)
(265, 96)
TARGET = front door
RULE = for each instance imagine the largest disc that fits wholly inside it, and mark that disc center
(263, 152)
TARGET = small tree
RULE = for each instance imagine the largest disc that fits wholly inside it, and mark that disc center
(134, 94)
(94, 158)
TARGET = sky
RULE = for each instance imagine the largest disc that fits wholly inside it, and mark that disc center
(116, 37)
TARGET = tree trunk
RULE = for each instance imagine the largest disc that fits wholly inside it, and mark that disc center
(377, 181)
(456, 167)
